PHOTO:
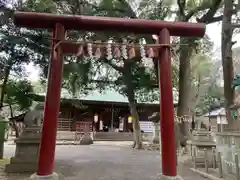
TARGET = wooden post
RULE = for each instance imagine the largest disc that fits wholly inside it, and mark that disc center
(220, 165)
(169, 157)
(206, 160)
(112, 119)
(214, 158)
(194, 159)
(191, 150)
(237, 167)
(52, 105)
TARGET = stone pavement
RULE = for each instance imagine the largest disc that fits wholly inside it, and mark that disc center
(103, 161)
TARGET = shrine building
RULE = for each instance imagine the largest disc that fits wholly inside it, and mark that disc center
(108, 112)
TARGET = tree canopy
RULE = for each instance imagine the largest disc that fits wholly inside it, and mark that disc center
(136, 78)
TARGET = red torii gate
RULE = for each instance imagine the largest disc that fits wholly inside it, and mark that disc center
(59, 24)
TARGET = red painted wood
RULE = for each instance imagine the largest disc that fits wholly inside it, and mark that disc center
(95, 23)
(52, 105)
(167, 108)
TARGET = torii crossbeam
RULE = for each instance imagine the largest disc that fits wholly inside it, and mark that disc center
(59, 24)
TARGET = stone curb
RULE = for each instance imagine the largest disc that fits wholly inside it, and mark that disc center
(53, 176)
(72, 143)
(209, 176)
(67, 143)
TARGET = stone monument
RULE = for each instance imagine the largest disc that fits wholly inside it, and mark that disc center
(201, 139)
(155, 117)
(27, 145)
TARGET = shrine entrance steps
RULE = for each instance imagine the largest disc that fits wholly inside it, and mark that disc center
(98, 136)
(102, 136)
(113, 136)
(65, 135)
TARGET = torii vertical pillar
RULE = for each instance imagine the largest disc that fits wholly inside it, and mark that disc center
(51, 111)
(166, 107)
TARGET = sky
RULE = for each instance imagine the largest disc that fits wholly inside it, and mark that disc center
(212, 30)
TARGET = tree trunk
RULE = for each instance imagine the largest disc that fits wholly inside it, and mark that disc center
(184, 86)
(137, 144)
(14, 123)
(227, 61)
(4, 85)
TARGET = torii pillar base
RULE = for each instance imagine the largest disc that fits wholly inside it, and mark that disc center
(53, 176)
(163, 177)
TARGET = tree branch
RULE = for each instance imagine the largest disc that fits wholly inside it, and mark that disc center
(235, 26)
(129, 9)
(202, 7)
(109, 62)
(213, 19)
(181, 5)
(209, 16)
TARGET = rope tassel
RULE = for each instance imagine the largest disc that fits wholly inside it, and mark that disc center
(109, 51)
(89, 48)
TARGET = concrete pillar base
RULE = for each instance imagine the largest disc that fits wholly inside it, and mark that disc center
(53, 176)
(163, 177)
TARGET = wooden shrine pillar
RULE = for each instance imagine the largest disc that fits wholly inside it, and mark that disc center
(52, 105)
(166, 106)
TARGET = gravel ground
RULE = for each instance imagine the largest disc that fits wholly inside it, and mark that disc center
(103, 161)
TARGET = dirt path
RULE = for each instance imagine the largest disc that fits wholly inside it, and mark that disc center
(104, 162)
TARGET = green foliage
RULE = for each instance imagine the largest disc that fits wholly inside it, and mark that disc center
(135, 77)
(77, 76)
(13, 46)
(234, 114)
(18, 93)
(40, 6)
(154, 9)
(175, 76)
(14, 53)
(38, 41)
(133, 74)
(213, 98)
(236, 81)
(20, 46)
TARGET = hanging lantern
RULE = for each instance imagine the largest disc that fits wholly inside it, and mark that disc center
(129, 119)
(95, 118)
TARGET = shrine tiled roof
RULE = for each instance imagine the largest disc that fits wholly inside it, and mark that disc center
(216, 112)
(106, 96)
(110, 96)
